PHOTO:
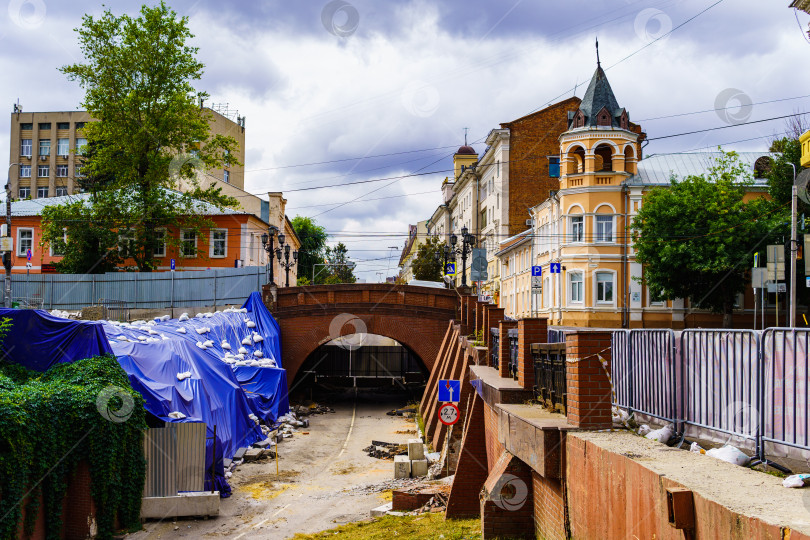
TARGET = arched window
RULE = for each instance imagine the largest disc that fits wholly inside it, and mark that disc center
(629, 160)
(604, 158)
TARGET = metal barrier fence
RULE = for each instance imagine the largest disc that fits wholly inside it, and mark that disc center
(720, 378)
(644, 372)
(513, 352)
(495, 342)
(751, 385)
(785, 413)
(549, 375)
(136, 290)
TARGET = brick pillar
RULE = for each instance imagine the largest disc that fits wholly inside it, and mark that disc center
(587, 382)
(471, 471)
(530, 331)
(503, 356)
(472, 300)
(479, 317)
(507, 505)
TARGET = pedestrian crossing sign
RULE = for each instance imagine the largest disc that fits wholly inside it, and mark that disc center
(450, 269)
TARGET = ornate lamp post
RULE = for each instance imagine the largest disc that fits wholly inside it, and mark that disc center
(443, 256)
(267, 244)
(286, 263)
(467, 242)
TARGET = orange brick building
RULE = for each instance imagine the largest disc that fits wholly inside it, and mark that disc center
(234, 241)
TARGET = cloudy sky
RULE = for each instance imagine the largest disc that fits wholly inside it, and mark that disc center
(356, 94)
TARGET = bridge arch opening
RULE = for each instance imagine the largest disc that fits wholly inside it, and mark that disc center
(362, 363)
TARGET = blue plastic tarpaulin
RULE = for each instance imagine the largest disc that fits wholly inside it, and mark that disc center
(213, 387)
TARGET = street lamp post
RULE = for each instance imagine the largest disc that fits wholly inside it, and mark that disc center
(443, 255)
(267, 244)
(286, 263)
(7, 265)
(467, 242)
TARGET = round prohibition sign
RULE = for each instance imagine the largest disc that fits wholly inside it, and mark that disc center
(448, 414)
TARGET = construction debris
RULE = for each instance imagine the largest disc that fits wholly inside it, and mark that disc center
(385, 450)
(310, 408)
(408, 412)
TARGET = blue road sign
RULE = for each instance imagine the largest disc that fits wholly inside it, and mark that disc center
(172, 264)
(28, 254)
(449, 390)
(554, 268)
(450, 269)
(537, 271)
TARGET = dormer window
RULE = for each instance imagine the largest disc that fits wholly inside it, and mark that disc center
(603, 118)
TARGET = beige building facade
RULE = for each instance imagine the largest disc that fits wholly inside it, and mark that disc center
(46, 147)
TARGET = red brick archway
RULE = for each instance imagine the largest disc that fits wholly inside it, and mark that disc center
(310, 316)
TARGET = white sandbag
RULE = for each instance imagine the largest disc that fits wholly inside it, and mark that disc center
(258, 354)
(730, 454)
(177, 415)
(257, 338)
(209, 315)
(796, 481)
(183, 317)
(183, 376)
(181, 330)
(199, 315)
(243, 310)
(200, 330)
(240, 356)
(662, 435)
(201, 345)
(250, 324)
(153, 332)
(225, 345)
(142, 338)
(644, 429)
(243, 350)
(247, 341)
(696, 448)
(208, 343)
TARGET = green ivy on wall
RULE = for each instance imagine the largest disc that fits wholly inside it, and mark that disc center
(50, 421)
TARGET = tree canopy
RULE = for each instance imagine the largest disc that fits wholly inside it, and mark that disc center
(696, 238)
(313, 248)
(150, 137)
(340, 269)
(425, 265)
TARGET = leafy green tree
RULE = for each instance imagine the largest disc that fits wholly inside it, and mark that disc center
(313, 248)
(780, 175)
(341, 270)
(425, 265)
(151, 137)
(91, 246)
(696, 238)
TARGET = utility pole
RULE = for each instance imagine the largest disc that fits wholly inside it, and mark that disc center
(7, 302)
(794, 247)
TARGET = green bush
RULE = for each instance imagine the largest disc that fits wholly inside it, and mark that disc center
(50, 421)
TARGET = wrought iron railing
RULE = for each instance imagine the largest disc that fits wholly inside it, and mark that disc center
(513, 352)
(549, 375)
(495, 343)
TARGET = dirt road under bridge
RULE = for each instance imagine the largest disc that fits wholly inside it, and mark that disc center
(317, 474)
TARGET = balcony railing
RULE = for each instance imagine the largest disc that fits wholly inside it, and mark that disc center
(549, 375)
(495, 341)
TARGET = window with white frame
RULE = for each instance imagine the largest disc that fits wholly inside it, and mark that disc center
(25, 192)
(81, 144)
(25, 241)
(62, 147)
(61, 191)
(604, 228)
(79, 172)
(26, 147)
(576, 287)
(43, 171)
(61, 171)
(160, 243)
(25, 171)
(42, 192)
(126, 243)
(226, 177)
(44, 147)
(604, 287)
(188, 244)
(58, 246)
(219, 243)
(577, 224)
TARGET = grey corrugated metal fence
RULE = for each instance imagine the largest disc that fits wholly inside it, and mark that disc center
(135, 290)
(175, 459)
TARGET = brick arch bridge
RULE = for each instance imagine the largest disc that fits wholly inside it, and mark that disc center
(311, 316)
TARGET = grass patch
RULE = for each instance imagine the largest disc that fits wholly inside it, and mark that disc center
(422, 526)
